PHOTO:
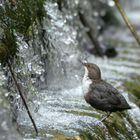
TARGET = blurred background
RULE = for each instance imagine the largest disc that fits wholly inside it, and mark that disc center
(43, 41)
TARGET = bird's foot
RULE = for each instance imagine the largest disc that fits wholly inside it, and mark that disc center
(105, 117)
(95, 123)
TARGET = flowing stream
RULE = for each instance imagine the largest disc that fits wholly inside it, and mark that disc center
(52, 76)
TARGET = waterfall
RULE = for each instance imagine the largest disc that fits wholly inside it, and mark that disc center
(50, 72)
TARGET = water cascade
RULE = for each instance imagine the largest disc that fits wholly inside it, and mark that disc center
(50, 72)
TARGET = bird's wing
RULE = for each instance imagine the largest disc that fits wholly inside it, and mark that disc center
(104, 96)
(104, 91)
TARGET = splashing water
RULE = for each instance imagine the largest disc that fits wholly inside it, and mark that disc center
(58, 106)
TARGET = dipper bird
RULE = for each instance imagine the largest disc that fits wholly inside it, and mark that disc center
(100, 94)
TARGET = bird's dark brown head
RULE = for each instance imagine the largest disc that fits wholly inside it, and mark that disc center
(94, 72)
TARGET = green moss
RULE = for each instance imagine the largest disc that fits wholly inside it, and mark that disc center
(22, 14)
(3, 52)
(62, 137)
(125, 52)
(138, 132)
(115, 125)
(133, 86)
(83, 113)
(97, 134)
(18, 17)
(8, 46)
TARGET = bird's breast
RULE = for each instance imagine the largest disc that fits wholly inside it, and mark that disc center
(86, 82)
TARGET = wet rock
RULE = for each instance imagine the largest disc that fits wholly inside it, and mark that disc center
(7, 129)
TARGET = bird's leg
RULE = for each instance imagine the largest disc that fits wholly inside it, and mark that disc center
(96, 123)
(105, 117)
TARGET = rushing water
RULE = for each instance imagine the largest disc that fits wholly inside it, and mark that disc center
(66, 112)
(53, 74)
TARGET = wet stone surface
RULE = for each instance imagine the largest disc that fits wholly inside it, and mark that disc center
(8, 129)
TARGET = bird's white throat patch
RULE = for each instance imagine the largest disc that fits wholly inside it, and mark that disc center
(86, 82)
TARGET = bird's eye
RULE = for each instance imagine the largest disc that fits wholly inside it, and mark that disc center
(89, 66)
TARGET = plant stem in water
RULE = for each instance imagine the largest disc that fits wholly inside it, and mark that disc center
(127, 21)
(22, 97)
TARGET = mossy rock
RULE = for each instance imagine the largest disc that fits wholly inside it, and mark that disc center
(133, 86)
(62, 137)
(8, 46)
(3, 52)
(18, 18)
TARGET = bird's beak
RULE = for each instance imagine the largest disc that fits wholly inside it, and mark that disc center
(83, 63)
